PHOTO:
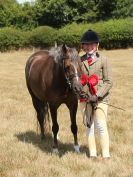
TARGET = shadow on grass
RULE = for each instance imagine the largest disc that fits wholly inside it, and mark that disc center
(46, 144)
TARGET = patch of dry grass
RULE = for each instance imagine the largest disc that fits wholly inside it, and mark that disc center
(22, 154)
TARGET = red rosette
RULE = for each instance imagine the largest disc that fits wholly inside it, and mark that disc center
(93, 79)
(83, 79)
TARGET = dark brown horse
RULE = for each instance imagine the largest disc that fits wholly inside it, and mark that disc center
(52, 78)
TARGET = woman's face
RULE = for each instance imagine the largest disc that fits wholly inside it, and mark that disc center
(90, 48)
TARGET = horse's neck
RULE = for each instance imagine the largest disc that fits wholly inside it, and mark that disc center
(58, 75)
(59, 70)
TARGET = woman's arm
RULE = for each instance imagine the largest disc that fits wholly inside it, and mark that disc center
(107, 78)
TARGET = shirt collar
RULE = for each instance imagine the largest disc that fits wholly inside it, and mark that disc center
(94, 57)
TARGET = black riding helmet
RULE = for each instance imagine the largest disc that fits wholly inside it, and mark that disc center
(89, 37)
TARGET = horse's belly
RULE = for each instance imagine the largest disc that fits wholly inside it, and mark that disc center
(43, 90)
(47, 92)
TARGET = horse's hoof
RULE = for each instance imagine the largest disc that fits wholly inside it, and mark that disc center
(55, 151)
(77, 148)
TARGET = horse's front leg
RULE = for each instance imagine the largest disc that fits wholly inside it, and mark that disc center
(55, 126)
(73, 110)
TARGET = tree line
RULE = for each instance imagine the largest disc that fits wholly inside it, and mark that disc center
(58, 13)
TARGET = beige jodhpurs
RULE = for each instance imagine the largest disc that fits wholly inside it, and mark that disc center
(99, 117)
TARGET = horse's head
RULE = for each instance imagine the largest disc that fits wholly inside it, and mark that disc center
(72, 68)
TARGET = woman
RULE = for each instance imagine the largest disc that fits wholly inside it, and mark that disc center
(97, 82)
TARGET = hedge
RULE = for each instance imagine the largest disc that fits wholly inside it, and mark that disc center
(43, 36)
(113, 34)
(13, 39)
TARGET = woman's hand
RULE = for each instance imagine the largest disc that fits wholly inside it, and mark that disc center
(93, 99)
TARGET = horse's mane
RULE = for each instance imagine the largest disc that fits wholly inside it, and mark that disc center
(57, 54)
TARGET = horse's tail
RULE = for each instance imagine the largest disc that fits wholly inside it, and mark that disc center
(46, 123)
(43, 115)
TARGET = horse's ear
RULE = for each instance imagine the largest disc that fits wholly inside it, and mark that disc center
(64, 48)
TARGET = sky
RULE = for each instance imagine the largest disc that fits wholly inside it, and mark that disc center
(22, 1)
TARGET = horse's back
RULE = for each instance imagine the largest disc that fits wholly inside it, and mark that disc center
(40, 56)
(38, 72)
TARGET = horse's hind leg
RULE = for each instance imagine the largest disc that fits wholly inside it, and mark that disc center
(73, 110)
(55, 126)
(41, 109)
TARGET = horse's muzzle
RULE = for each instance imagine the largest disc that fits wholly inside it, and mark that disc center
(77, 88)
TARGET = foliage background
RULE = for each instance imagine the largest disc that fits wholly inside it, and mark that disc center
(58, 13)
(42, 22)
(113, 34)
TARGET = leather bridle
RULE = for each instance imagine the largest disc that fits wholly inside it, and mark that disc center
(70, 77)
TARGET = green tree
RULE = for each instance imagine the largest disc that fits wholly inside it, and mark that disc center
(58, 13)
(123, 9)
(18, 15)
(105, 9)
(54, 12)
(82, 10)
(26, 17)
(8, 10)
(61, 12)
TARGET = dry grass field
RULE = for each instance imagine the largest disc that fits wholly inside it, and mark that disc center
(23, 154)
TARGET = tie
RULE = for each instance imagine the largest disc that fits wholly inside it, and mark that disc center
(89, 59)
